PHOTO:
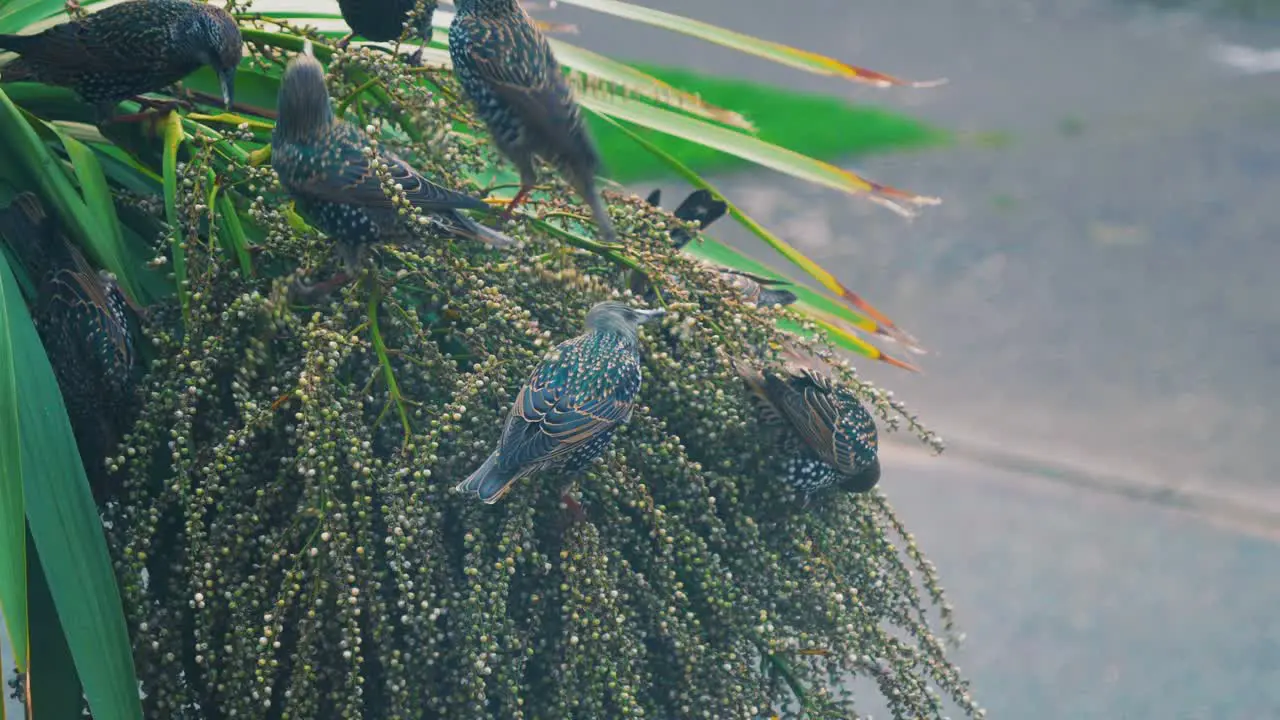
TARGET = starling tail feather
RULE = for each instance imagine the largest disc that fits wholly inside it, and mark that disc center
(489, 482)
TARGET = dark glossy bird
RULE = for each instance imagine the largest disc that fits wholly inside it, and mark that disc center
(507, 68)
(86, 325)
(839, 442)
(383, 20)
(567, 412)
(322, 162)
(124, 50)
(702, 208)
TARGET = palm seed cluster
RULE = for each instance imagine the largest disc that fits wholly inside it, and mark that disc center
(283, 515)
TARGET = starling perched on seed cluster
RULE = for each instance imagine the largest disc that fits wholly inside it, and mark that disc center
(84, 321)
(135, 47)
(702, 208)
(383, 20)
(321, 161)
(567, 412)
(840, 443)
(507, 69)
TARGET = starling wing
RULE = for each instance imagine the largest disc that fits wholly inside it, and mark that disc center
(532, 86)
(807, 401)
(562, 408)
(352, 180)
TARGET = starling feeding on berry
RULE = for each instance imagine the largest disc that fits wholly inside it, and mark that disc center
(135, 47)
(840, 443)
(576, 398)
(702, 208)
(321, 161)
(84, 323)
(507, 69)
(383, 20)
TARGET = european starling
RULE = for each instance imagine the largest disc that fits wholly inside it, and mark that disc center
(83, 320)
(507, 69)
(321, 161)
(840, 443)
(383, 20)
(702, 208)
(135, 47)
(576, 398)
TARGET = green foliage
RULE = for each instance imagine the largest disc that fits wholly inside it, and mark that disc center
(782, 117)
(281, 520)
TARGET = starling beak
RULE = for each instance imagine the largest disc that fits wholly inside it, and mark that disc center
(321, 161)
(835, 429)
(135, 47)
(567, 412)
(507, 68)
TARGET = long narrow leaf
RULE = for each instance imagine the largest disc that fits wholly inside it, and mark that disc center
(65, 525)
(777, 52)
(13, 527)
(755, 150)
(173, 135)
(107, 244)
(600, 71)
(816, 271)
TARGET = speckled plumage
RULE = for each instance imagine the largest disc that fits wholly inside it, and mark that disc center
(703, 208)
(573, 402)
(135, 47)
(383, 20)
(321, 161)
(834, 429)
(83, 320)
(507, 68)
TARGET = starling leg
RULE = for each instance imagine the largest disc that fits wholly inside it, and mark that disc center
(344, 42)
(156, 108)
(515, 201)
(573, 508)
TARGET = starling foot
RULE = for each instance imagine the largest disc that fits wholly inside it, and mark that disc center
(573, 508)
(307, 293)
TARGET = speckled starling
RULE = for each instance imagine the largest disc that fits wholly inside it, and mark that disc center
(383, 20)
(84, 322)
(135, 47)
(703, 208)
(567, 412)
(839, 440)
(322, 162)
(506, 67)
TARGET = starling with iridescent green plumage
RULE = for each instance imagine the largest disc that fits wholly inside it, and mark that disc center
(838, 443)
(507, 68)
(567, 412)
(702, 208)
(139, 46)
(86, 325)
(325, 165)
